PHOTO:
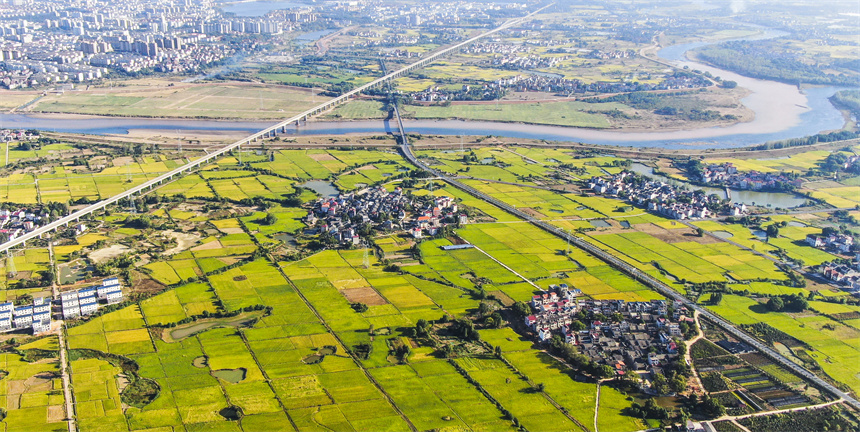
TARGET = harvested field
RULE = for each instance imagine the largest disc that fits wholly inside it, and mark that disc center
(676, 235)
(56, 413)
(365, 295)
(212, 245)
(532, 212)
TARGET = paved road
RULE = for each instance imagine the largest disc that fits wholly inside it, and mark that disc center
(64, 369)
(633, 272)
(268, 132)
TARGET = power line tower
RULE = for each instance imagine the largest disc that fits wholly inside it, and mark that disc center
(10, 264)
(239, 150)
(128, 172)
(180, 141)
(366, 260)
(133, 209)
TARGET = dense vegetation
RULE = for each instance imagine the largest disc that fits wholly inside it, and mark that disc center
(849, 99)
(761, 59)
(826, 419)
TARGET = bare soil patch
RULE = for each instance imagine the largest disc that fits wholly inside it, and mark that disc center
(232, 230)
(321, 157)
(144, 284)
(23, 275)
(56, 413)
(366, 167)
(16, 387)
(183, 241)
(240, 278)
(232, 260)
(215, 244)
(107, 253)
(365, 295)
(507, 301)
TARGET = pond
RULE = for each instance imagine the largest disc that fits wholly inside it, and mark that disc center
(625, 224)
(765, 199)
(797, 224)
(600, 223)
(319, 356)
(324, 188)
(759, 233)
(723, 234)
(231, 375)
(288, 239)
(184, 332)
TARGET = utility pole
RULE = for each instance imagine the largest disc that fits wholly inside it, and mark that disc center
(366, 254)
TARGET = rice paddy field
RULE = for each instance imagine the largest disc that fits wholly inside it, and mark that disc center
(288, 367)
(693, 261)
(62, 184)
(791, 240)
(32, 396)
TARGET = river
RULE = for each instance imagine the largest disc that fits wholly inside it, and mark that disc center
(782, 111)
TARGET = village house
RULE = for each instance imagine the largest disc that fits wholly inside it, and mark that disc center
(641, 335)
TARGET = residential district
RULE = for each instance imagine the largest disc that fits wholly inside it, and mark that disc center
(344, 215)
(37, 316)
(661, 197)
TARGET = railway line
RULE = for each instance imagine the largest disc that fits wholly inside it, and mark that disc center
(633, 272)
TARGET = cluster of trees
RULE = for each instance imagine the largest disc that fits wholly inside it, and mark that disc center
(850, 99)
(649, 410)
(465, 329)
(835, 162)
(808, 140)
(108, 267)
(765, 59)
(694, 114)
(788, 302)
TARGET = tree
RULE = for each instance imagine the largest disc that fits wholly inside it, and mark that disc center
(712, 407)
(775, 304)
(660, 384)
(772, 231)
(605, 371)
(522, 308)
(678, 383)
(576, 325)
(716, 298)
(270, 219)
(700, 231)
